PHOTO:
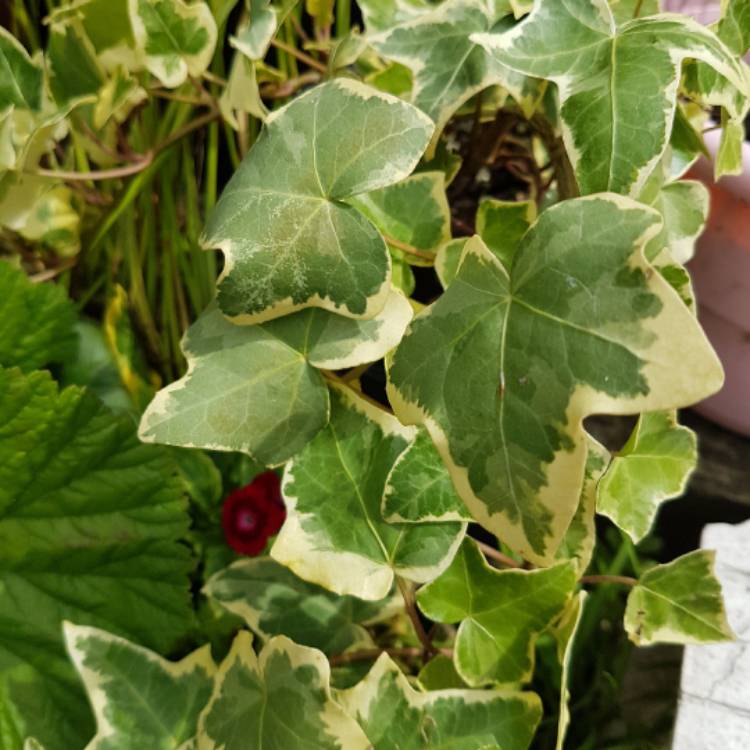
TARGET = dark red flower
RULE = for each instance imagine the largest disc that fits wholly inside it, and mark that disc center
(253, 513)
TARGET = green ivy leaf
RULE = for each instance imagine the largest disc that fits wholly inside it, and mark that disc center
(653, 466)
(89, 528)
(501, 613)
(380, 15)
(611, 81)
(449, 68)
(74, 71)
(683, 205)
(289, 239)
(419, 487)
(139, 699)
(440, 674)
(580, 538)
(679, 602)
(394, 715)
(254, 38)
(502, 224)
(108, 26)
(176, 38)
(414, 211)
(274, 601)
(346, 546)
(585, 326)
(448, 259)
(280, 698)
(239, 374)
(564, 633)
(712, 89)
(37, 322)
(20, 76)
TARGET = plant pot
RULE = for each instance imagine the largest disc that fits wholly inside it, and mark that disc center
(721, 278)
(704, 11)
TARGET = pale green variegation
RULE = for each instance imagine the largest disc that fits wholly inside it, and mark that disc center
(89, 528)
(139, 699)
(679, 602)
(449, 68)
(175, 38)
(278, 700)
(380, 15)
(239, 375)
(653, 466)
(36, 322)
(580, 538)
(502, 612)
(564, 633)
(395, 716)
(585, 326)
(419, 487)
(288, 238)
(448, 259)
(502, 224)
(274, 601)
(20, 75)
(683, 205)
(73, 70)
(414, 211)
(712, 89)
(335, 534)
(254, 37)
(241, 94)
(617, 84)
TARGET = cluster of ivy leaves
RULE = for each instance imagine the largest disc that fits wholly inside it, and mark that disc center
(375, 620)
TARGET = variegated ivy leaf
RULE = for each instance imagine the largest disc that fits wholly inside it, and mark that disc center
(449, 68)
(274, 601)
(501, 613)
(712, 89)
(241, 93)
(289, 239)
(36, 321)
(20, 76)
(419, 487)
(503, 368)
(683, 205)
(679, 602)
(109, 28)
(176, 38)
(278, 700)
(580, 538)
(653, 466)
(89, 526)
(239, 374)
(440, 674)
(139, 699)
(502, 224)
(380, 15)
(395, 715)
(254, 37)
(617, 84)
(564, 633)
(335, 534)
(626, 10)
(448, 259)
(414, 211)
(74, 72)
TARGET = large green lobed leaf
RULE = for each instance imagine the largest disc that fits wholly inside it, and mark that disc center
(395, 716)
(258, 388)
(277, 700)
(502, 612)
(140, 700)
(505, 366)
(335, 534)
(89, 528)
(617, 84)
(288, 238)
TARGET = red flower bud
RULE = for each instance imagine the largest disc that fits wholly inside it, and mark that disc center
(253, 513)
